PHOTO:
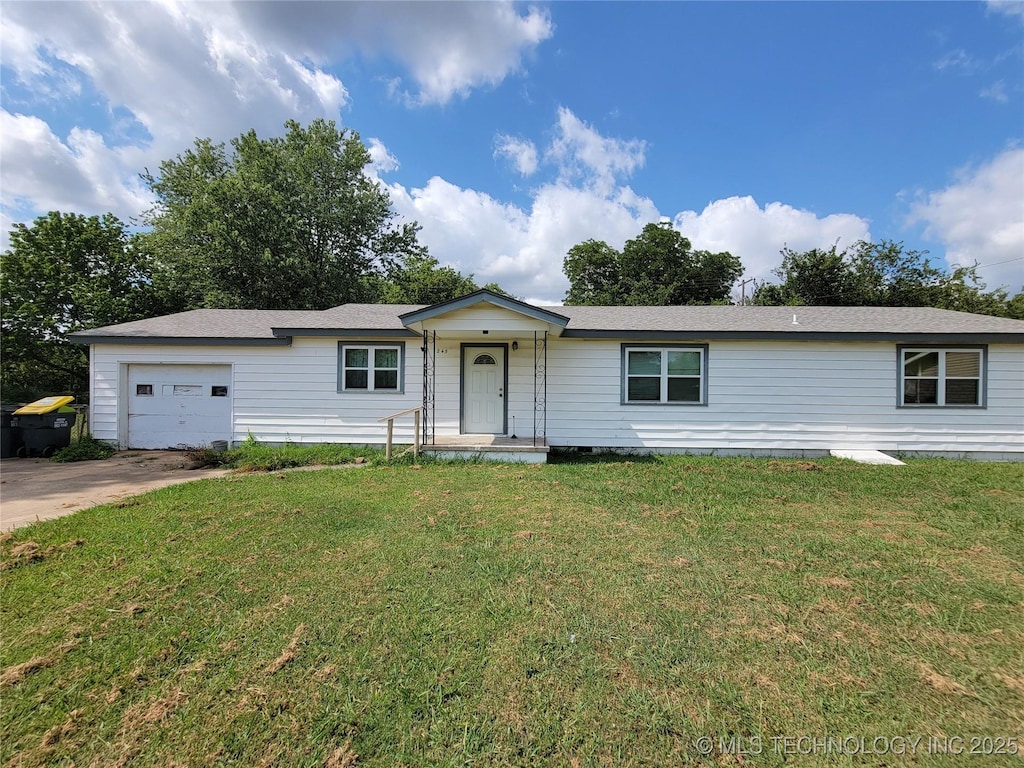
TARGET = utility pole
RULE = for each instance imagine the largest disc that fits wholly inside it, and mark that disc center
(743, 288)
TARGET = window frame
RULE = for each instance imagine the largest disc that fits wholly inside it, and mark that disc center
(940, 388)
(624, 376)
(371, 347)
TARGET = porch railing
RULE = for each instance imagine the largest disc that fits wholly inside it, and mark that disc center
(415, 447)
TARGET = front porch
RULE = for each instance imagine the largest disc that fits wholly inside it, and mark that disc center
(485, 363)
(488, 448)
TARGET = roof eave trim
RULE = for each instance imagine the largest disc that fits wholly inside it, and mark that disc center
(895, 336)
(480, 297)
(184, 341)
(348, 333)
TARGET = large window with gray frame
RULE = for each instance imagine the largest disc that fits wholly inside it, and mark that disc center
(946, 377)
(664, 374)
(370, 367)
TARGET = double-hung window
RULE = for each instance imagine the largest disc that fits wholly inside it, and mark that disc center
(670, 374)
(952, 378)
(370, 367)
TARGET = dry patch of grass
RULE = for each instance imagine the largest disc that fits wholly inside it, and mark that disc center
(342, 757)
(939, 682)
(288, 654)
(17, 672)
(27, 552)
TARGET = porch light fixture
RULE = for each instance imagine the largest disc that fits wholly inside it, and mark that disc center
(515, 345)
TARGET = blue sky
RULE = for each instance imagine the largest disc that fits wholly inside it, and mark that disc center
(511, 132)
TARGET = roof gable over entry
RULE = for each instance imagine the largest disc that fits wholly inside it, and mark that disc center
(485, 312)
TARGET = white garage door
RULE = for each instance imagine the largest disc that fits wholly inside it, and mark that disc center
(177, 406)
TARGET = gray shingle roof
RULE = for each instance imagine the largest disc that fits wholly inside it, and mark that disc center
(205, 324)
(270, 326)
(356, 317)
(838, 320)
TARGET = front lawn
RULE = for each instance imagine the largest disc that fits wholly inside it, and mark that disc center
(603, 613)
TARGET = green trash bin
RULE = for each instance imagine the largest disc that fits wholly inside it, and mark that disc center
(10, 436)
(45, 426)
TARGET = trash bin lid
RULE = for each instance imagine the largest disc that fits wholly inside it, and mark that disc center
(46, 405)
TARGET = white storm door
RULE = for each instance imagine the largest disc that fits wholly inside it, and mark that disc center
(483, 402)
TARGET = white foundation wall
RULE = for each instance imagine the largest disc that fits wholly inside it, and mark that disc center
(781, 397)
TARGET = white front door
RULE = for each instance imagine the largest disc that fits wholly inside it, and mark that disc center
(483, 401)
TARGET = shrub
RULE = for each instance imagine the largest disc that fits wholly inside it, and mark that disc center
(88, 448)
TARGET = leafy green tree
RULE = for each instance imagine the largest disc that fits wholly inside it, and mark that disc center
(815, 277)
(63, 273)
(495, 288)
(889, 275)
(290, 222)
(883, 274)
(419, 279)
(594, 271)
(657, 268)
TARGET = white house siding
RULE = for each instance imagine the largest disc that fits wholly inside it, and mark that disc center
(279, 394)
(784, 397)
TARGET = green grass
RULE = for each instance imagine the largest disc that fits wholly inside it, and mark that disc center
(597, 613)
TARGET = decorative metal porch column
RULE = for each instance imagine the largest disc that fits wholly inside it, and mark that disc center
(429, 350)
(540, 387)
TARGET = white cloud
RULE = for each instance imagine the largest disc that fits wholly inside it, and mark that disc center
(20, 47)
(448, 48)
(521, 153)
(182, 70)
(485, 48)
(996, 92)
(521, 249)
(980, 218)
(957, 59)
(756, 235)
(75, 174)
(329, 90)
(215, 69)
(581, 152)
(381, 159)
(1007, 7)
(578, 152)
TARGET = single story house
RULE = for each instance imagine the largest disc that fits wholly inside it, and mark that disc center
(489, 372)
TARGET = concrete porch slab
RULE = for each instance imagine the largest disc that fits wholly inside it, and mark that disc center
(487, 448)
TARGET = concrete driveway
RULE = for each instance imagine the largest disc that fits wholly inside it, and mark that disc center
(40, 489)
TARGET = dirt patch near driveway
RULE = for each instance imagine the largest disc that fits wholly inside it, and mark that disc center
(39, 489)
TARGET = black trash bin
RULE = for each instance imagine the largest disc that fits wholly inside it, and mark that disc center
(10, 436)
(45, 426)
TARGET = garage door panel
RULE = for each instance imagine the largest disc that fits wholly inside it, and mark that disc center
(170, 406)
